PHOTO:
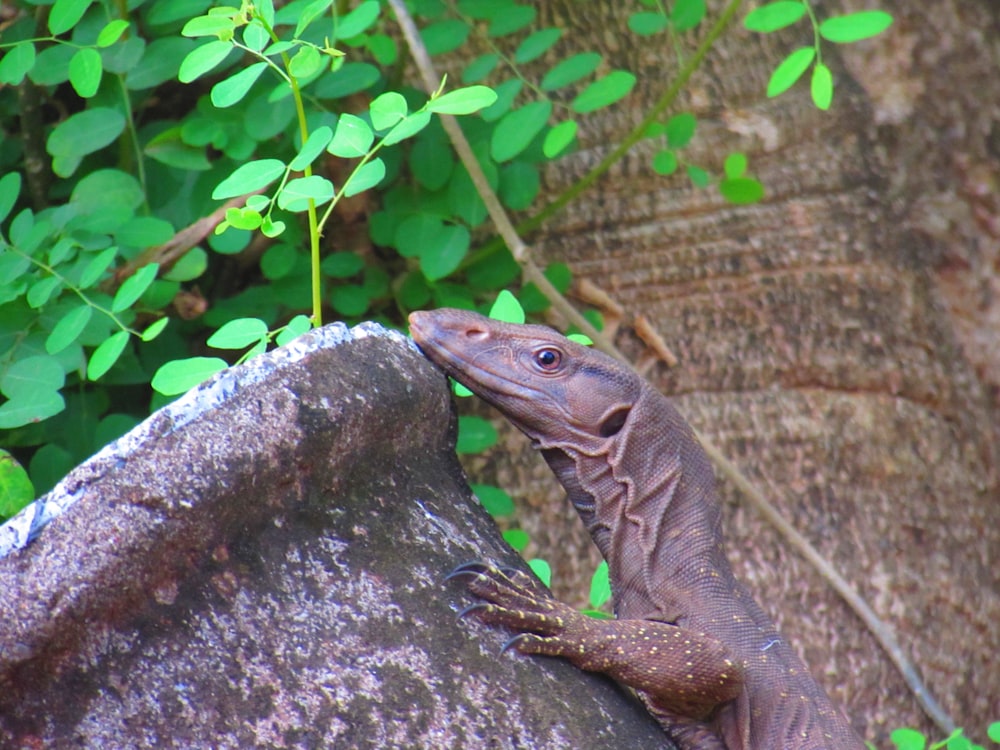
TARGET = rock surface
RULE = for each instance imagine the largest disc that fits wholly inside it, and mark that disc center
(261, 564)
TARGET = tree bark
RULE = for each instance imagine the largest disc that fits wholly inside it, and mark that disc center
(818, 344)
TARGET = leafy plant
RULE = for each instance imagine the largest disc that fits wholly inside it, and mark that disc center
(844, 29)
(152, 222)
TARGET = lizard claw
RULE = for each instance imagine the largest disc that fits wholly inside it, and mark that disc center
(478, 606)
(471, 568)
(512, 642)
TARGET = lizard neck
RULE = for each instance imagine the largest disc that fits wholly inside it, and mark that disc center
(653, 513)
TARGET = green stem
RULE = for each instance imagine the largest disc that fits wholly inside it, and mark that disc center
(316, 288)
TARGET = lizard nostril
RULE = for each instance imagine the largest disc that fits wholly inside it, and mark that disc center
(476, 334)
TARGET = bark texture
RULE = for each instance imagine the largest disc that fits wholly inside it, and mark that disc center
(817, 346)
(262, 563)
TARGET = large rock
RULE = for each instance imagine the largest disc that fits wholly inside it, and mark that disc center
(261, 564)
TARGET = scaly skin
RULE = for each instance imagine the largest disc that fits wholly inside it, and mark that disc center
(699, 651)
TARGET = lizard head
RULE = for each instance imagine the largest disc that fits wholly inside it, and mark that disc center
(552, 389)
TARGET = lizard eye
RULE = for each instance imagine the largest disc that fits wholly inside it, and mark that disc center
(548, 359)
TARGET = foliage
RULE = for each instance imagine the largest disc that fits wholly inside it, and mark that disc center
(851, 27)
(126, 127)
(905, 738)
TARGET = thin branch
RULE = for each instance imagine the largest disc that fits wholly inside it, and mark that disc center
(522, 254)
(174, 249)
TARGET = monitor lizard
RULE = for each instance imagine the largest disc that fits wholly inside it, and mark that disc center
(700, 653)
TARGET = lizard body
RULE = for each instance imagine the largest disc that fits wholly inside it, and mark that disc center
(705, 659)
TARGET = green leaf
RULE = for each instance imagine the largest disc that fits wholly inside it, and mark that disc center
(231, 90)
(81, 134)
(460, 390)
(462, 101)
(160, 63)
(580, 338)
(600, 586)
(68, 329)
(352, 138)
(271, 228)
(570, 70)
(315, 144)
(31, 408)
(516, 538)
(854, 27)
(350, 300)
(735, 165)
(96, 267)
(479, 68)
(155, 329)
(85, 72)
(475, 435)
(537, 44)
(507, 308)
(10, 188)
(16, 63)
(341, 265)
(203, 59)
(698, 176)
(358, 20)
(295, 327)
(517, 129)
(506, 94)
(604, 91)
(687, 14)
(216, 25)
(514, 18)
(387, 109)
(407, 127)
(821, 86)
(905, 738)
(295, 196)
(366, 176)
(416, 233)
(774, 16)
(32, 374)
(351, 78)
(439, 260)
(665, 162)
(559, 138)
(112, 32)
(444, 36)
(249, 177)
(133, 287)
(243, 218)
(741, 190)
(310, 13)
(52, 65)
(519, 185)
(239, 334)
(16, 490)
(790, 70)
(40, 292)
(497, 502)
(189, 267)
(306, 62)
(180, 375)
(647, 24)
(541, 569)
(65, 14)
(105, 355)
(144, 231)
(431, 162)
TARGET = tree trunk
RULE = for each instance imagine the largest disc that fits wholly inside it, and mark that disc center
(818, 344)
